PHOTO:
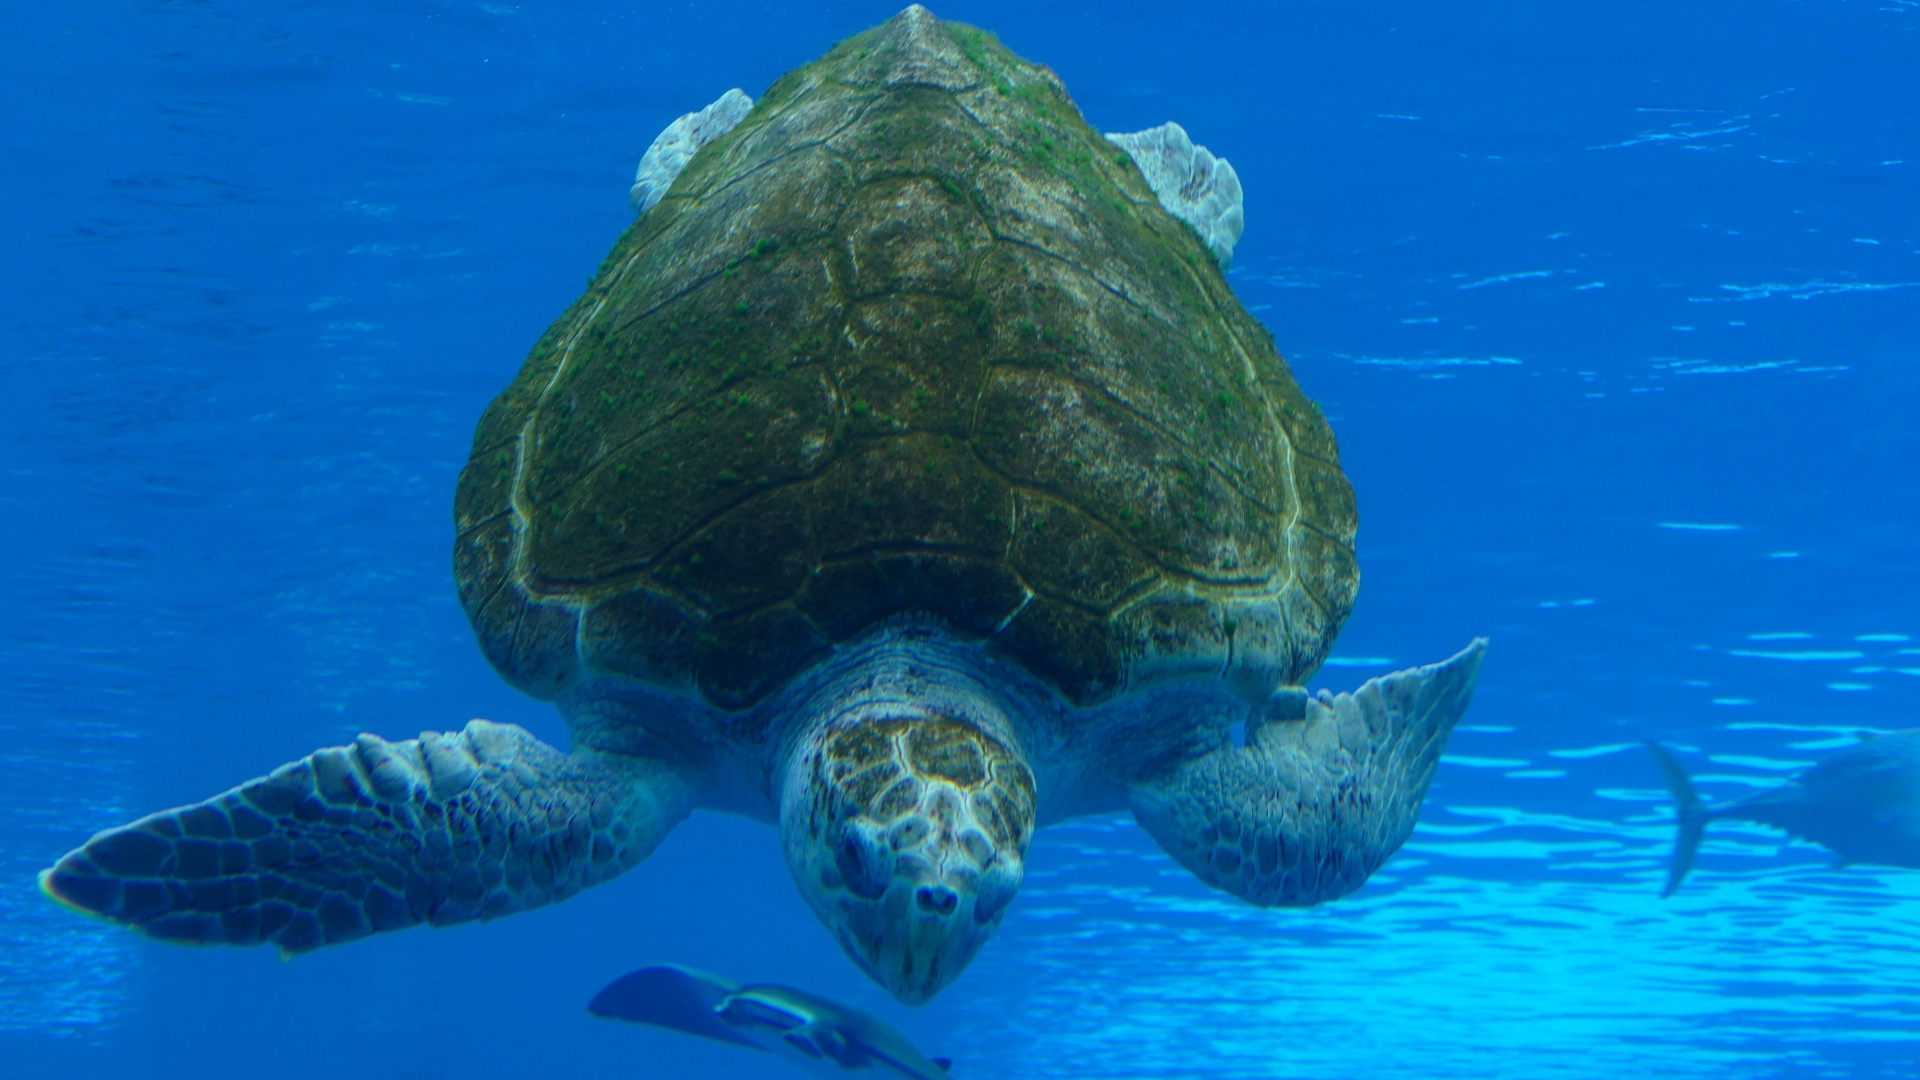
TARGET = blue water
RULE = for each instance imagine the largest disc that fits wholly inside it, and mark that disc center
(1615, 309)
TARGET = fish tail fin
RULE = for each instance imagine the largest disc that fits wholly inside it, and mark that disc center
(1691, 812)
(673, 997)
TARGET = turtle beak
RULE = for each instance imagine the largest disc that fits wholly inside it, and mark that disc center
(914, 901)
(911, 846)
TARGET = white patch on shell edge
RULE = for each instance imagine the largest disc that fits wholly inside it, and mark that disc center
(679, 142)
(1193, 185)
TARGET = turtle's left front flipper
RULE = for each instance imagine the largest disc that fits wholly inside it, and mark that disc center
(1313, 804)
(379, 836)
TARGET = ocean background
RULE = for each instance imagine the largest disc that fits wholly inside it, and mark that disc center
(1614, 307)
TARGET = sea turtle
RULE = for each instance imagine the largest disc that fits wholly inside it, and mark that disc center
(909, 477)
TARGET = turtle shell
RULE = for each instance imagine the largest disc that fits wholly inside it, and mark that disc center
(913, 337)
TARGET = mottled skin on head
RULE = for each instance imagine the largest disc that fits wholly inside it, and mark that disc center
(907, 810)
(906, 477)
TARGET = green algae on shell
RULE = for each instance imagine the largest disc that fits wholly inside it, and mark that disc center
(911, 337)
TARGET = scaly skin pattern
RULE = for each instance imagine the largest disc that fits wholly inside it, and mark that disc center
(1313, 804)
(354, 840)
(913, 337)
(908, 475)
(907, 809)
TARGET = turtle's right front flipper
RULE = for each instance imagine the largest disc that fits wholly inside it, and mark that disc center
(379, 836)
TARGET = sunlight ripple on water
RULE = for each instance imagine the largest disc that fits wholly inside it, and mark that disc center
(1532, 977)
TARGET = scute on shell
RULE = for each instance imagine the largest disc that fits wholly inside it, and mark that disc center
(912, 336)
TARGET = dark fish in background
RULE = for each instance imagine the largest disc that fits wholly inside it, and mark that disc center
(823, 1037)
(1862, 804)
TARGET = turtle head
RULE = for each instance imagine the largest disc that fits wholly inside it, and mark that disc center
(905, 823)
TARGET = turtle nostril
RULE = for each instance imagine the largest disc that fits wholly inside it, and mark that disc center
(937, 899)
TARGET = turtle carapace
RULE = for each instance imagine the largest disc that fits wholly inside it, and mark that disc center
(908, 477)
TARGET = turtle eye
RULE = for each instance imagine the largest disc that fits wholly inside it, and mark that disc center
(863, 866)
(997, 888)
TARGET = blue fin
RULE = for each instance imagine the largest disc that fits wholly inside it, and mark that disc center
(677, 998)
(1691, 812)
(946, 1064)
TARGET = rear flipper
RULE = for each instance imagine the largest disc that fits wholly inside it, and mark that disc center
(1312, 806)
(1691, 812)
(378, 836)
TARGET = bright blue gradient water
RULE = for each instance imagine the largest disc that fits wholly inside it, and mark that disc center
(1573, 282)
